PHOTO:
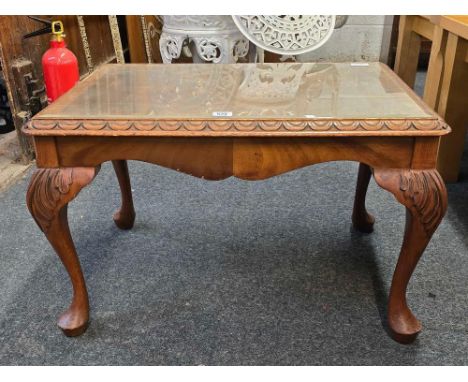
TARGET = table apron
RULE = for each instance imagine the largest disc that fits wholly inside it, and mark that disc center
(249, 158)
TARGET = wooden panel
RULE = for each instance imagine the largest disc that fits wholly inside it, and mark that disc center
(393, 42)
(265, 157)
(100, 39)
(136, 40)
(456, 24)
(453, 106)
(209, 158)
(425, 152)
(16, 52)
(143, 38)
(46, 152)
(246, 158)
(15, 49)
(409, 45)
(423, 27)
(74, 41)
(436, 63)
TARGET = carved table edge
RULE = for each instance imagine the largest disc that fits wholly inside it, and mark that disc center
(421, 189)
(232, 127)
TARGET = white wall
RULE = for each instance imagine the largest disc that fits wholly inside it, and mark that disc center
(362, 38)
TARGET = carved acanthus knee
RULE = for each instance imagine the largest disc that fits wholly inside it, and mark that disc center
(50, 189)
(48, 195)
(423, 194)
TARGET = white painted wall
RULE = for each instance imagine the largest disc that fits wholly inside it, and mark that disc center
(362, 38)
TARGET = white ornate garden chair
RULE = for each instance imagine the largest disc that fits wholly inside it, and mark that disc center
(225, 39)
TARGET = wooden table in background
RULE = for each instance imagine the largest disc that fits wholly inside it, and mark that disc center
(248, 121)
(447, 77)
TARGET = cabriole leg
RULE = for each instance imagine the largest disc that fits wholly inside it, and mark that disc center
(125, 216)
(50, 191)
(362, 220)
(423, 194)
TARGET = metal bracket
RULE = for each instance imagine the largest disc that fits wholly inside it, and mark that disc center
(45, 30)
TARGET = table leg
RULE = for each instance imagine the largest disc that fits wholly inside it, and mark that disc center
(423, 194)
(125, 216)
(50, 191)
(362, 220)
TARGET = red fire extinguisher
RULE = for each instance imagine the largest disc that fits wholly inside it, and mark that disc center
(59, 64)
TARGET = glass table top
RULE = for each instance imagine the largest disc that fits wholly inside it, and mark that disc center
(240, 91)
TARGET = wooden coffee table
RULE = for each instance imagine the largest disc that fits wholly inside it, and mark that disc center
(248, 121)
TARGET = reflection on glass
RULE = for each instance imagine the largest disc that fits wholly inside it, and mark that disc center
(280, 90)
